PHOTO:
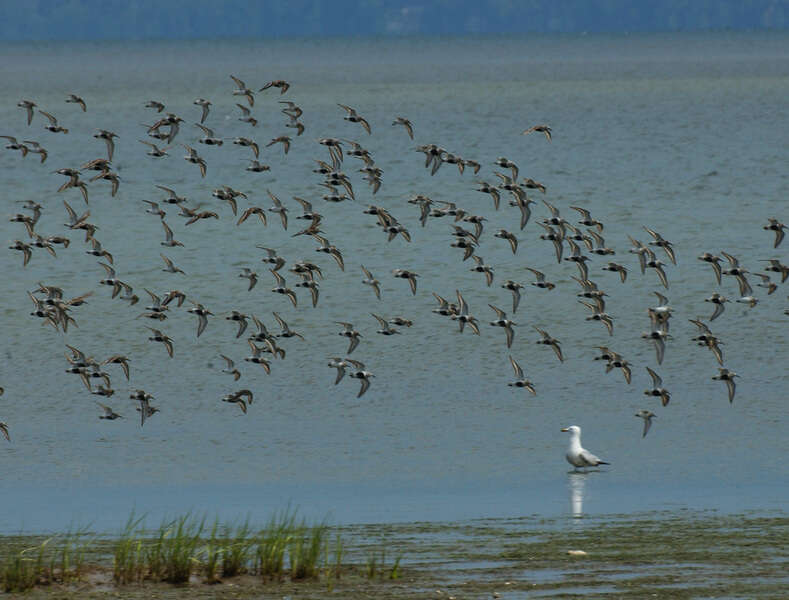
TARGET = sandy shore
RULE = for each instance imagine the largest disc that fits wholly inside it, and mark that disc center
(680, 554)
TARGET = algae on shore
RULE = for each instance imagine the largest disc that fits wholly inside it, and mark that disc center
(679, 554)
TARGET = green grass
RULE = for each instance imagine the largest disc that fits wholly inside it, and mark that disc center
(24, 569)
(286, 547)
(211, 554)
(237, 550)
(334, 570)
(375, 564)
(284, 537)
(304, 550)
(180, 548)
(272, 544)
(394, 571)
(58, 559)
(128, 565)
(68, 558)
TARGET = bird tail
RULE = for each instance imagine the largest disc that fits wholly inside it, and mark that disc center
(602, 462)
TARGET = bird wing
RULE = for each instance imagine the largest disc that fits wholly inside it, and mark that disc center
(201, 324)
(356, 363)
(647, 425)
(499, 313)
(52, 120)
(732, 260)
(656, 380)
(731, 387)
(510, 334)
(280, 279)
(719, 308)
(354, 341)
(660, 349)
(109, 269)
(588, 458)
(516, 298)
(412, 283)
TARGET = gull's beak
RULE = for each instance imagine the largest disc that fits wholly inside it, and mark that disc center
(565, 429)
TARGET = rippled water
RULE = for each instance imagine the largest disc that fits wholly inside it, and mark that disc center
(684, 134)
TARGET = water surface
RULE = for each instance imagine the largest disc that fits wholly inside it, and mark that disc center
(682, 133)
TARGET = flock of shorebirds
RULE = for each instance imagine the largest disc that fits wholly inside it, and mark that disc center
(577, 239)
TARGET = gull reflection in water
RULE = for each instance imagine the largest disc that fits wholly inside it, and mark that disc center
(577, 484)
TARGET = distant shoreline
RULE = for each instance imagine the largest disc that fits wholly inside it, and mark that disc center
(238, 19)
(405, 38)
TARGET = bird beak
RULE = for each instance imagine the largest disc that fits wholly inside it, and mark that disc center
(565, 429)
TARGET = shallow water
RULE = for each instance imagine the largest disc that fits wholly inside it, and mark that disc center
(688, 552)
(682, 133)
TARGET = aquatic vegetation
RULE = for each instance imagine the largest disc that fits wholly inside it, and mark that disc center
(304, 550)
(68, 559)
(212, 552)
(372, 564)
(23, 570)
(272, 544)
(334, 567)
(394, 571)
(677, 554)
(184, 545)
(238, 543)
(375, 565)
(128, 564)
(181, 550)
(58, 559)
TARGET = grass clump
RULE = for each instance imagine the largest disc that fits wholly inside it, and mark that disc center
(237, 549)
(170, 554)
(304, 546)
(304, 550)
(182, 546)
(128, 565)
(67, 558)
(174, 551)
(272, 544)
(334, 567)
(394, 571)
(58, 559)
(287, 547)
(375, 566)
(212, 552)
(23, 570)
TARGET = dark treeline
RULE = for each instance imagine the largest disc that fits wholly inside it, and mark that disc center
(180, 19)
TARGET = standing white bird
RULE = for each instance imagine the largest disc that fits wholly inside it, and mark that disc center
(578, 456)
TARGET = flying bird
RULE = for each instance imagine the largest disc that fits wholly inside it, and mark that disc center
(520, 380)
(647, 416)
(539, 129)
